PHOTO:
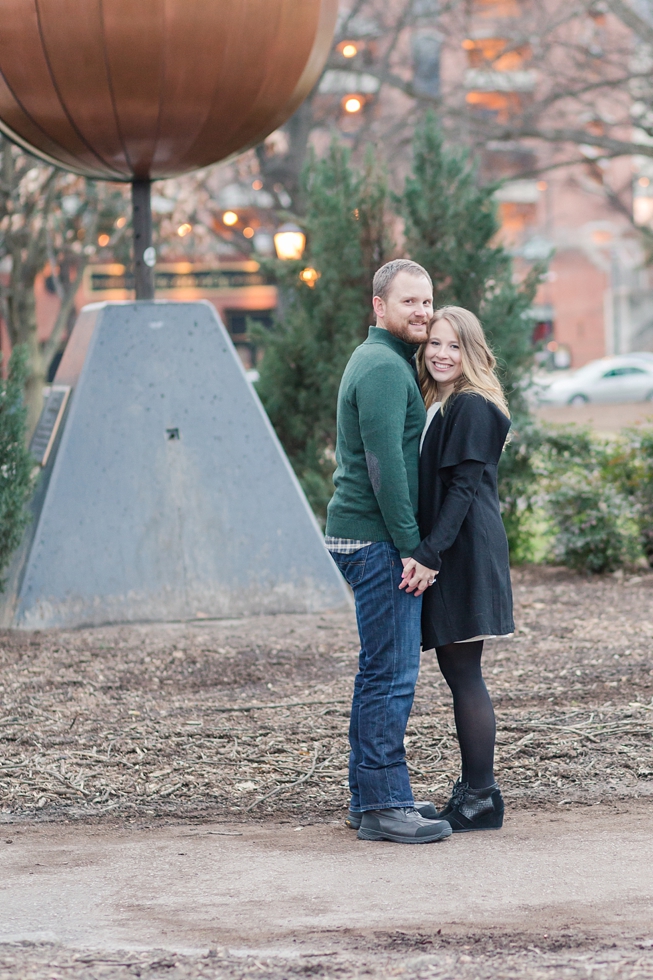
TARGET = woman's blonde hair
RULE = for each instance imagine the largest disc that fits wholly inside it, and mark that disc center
(478, 361)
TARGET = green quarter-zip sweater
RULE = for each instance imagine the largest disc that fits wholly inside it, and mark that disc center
(380, 420)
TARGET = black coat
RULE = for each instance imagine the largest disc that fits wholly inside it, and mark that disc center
(460, 523)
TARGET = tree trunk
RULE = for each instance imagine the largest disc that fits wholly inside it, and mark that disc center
(22, 326)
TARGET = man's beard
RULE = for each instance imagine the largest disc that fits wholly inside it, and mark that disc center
(401, 328)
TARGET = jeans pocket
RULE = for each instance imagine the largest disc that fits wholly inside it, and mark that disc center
(352, 566)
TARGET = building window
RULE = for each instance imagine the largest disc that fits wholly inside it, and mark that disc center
(491, 52)
(496, 8)
(499, 106)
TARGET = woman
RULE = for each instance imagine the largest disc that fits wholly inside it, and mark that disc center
(464, 551)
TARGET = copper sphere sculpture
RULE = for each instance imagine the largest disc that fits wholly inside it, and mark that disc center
(137, 90)
(144, 89)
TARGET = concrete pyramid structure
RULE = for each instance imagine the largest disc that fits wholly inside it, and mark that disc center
(167, 495)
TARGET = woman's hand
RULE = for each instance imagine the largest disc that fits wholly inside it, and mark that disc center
(416, 578)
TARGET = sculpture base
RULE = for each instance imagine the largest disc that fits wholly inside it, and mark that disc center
(168, 496)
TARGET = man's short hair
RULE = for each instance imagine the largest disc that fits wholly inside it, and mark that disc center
(385, 276)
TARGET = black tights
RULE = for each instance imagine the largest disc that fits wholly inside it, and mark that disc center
(460, 664)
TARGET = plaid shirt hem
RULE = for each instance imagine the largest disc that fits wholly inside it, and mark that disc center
(344, 546)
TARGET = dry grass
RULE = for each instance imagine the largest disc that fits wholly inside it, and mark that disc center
(249, 717)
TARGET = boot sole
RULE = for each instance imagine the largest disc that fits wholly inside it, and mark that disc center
(398, 839)
(471, 830)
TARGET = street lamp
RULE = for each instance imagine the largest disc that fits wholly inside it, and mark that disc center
(289, 242)
(310, 276)
(352, 103)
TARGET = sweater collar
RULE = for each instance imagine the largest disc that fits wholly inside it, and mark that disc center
(378, 335)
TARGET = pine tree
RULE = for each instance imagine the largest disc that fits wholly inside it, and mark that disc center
(451, 224)
(320, 324)
(16, 464)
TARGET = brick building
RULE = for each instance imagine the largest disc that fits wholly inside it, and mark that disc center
(598, 298)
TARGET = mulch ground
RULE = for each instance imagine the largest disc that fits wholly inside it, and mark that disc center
(248, 718)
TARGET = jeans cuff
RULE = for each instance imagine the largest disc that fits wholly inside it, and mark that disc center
(390, 805)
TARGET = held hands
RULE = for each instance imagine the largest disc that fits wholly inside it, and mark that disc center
(416, 578)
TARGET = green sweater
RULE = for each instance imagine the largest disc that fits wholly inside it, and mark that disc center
(380, 420)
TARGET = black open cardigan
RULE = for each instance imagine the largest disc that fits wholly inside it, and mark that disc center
(460, 523)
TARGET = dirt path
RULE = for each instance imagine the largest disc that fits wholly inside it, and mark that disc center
(572, 888)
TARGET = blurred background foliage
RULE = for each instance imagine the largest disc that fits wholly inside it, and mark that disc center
(450, 225)
(320, 322)
(576, 498)
(50, 222)
(16, 463)
(569, 496)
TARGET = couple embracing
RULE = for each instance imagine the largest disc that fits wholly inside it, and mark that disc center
(415, 528)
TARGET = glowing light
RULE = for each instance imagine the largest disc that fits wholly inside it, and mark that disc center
(103, 240)
(542, 185)
(309, 276)
(248, 232)
(468, 45)
(643, 181)
(230, 218)
(643, 210)
(257, 184)
(289, 242)
(121, 222)
(184, 229)
(349, 51)
(353, 103)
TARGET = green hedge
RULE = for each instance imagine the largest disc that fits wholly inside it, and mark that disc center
(575, 498)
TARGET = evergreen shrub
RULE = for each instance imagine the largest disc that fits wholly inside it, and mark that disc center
(635, 464)
(451, 228)
(16, 464)
(451, 225)
(576, 498)
(319, 325)
(595, 529)
(566, 495)
(518, 489)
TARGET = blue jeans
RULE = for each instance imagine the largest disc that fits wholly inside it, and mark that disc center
(389, 629)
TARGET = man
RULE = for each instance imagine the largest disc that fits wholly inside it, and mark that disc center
(371, 532)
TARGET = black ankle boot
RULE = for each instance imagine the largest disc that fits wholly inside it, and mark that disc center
(473, 809)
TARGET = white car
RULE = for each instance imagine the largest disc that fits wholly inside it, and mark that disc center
(623, 378)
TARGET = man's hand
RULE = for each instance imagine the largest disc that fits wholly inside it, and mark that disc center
(416, 578)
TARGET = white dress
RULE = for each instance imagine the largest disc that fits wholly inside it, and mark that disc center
(430, 415)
